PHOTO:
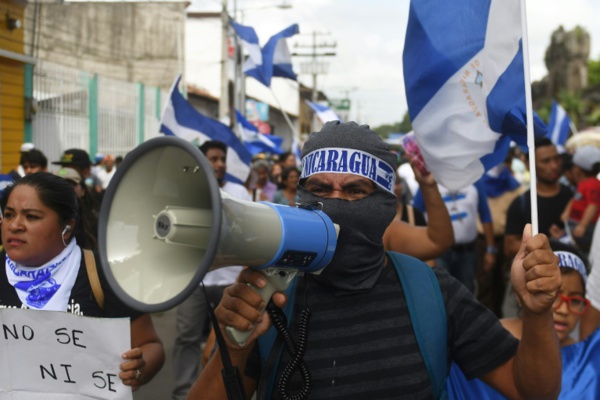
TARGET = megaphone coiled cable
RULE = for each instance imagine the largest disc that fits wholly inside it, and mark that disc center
(296, 351)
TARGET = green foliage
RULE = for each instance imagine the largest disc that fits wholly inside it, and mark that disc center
(399, 127)
(544, 110)
(593, 72)
(593, 119)
(385, 130)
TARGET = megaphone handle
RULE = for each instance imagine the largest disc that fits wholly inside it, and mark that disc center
(278, 279)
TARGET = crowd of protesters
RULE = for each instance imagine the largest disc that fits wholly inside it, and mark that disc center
(474, 233)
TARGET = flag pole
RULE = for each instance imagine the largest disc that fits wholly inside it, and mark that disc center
(530, 137)
(573, 128)
(287, 118)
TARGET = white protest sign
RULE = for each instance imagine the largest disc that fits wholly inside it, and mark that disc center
(54, 355)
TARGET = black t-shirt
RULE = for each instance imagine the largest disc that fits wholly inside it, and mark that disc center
(362, 346)
(81, 300)
(419, 217)
(549, 211)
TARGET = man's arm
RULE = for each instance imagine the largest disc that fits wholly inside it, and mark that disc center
(485, 216)
(535, 371)
(239, 308)
(588, 216)
(428, 242)
(489, 259)
(210, 384)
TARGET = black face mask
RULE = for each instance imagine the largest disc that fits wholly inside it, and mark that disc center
(359, 254)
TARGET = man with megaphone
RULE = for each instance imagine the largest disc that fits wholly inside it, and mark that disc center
(365, 335)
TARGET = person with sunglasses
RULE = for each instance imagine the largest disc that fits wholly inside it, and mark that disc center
(580, 359)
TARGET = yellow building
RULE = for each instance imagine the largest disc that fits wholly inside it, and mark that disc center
(14, 66)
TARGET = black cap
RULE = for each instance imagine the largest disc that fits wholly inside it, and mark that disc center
(74, 158)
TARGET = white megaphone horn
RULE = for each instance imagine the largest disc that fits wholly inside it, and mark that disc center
(164, 223)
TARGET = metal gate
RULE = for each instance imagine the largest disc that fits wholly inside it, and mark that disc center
(76, 109)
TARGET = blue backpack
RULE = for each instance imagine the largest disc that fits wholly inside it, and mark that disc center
(427, 313)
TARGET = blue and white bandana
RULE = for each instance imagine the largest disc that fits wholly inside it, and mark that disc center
(349, 161)
(47, 287)
(570, 260)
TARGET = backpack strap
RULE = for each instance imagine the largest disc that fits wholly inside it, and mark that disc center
(428, 316)
(92, 271)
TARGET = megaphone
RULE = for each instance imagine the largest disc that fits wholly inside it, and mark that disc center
(164, 223)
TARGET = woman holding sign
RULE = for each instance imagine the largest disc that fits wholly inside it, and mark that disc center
(45, 269)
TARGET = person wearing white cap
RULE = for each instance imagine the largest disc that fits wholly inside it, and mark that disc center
(583, 210)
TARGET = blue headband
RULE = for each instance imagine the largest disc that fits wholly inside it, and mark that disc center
(349, 161)
(570, 260)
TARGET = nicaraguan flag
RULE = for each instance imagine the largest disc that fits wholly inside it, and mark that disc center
(273, 59)
(297, 151)
(181, 119)
(323, 112)
(559, 125)
(255, 141)
(465, 85)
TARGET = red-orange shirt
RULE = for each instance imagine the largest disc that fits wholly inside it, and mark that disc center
(588, 192)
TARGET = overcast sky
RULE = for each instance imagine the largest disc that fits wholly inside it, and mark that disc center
(370, 37)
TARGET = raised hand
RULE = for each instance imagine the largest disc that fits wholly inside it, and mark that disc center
(535, 275)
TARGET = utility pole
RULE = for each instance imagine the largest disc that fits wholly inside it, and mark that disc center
(224, 100)
(315, 67)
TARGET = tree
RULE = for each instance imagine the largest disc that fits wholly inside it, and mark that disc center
(398, 127)
(593, 72)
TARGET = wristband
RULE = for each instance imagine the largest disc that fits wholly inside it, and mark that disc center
(491, 250)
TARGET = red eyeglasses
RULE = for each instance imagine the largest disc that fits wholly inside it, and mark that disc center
(576, 304)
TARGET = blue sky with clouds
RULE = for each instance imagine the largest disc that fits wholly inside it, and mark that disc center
(370, 37)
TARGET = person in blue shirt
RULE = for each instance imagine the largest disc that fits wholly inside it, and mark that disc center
(580, 360)
(464, 207)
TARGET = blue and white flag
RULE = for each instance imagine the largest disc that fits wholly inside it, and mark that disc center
(323, 112)
(297, 151)
(559, 125)
(181, 119)
(465, 85)
(273, 59)
(255, 141)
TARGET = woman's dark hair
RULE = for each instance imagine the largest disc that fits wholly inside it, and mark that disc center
(54, 192)
(284, 156)
(287, 171)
